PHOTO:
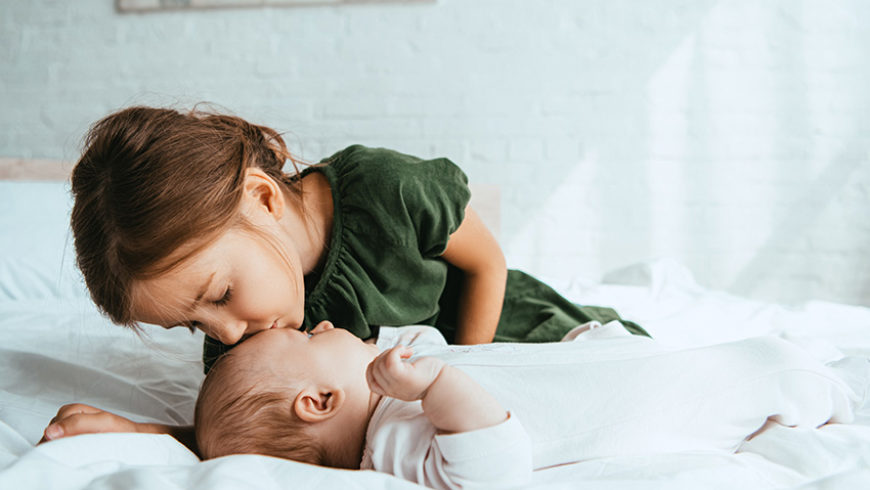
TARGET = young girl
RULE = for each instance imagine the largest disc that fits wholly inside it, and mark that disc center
(187, 219)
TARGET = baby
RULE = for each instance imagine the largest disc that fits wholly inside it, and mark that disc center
(448, 416)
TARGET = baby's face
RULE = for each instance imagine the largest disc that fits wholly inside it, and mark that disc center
(329, 354)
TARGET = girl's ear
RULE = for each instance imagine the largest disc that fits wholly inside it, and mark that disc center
(262, 192)
(314, 405)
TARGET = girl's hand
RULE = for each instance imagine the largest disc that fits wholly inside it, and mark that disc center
(390, 374)
(77, 418)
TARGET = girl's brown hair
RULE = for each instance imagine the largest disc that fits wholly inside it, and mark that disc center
(152, 180)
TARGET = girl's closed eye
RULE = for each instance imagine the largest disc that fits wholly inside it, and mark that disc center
(193, 326)
(225, 298)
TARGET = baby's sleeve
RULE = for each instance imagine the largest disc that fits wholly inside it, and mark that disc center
(401, 441)
(424, 339)
(492, 457)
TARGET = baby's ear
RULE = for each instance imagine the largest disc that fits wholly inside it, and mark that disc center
(314, 405)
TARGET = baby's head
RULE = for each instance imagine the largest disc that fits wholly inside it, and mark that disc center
(284, 393)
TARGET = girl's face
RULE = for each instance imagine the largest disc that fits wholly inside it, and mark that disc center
(236, 286)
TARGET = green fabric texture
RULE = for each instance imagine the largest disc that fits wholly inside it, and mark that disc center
(393, 215)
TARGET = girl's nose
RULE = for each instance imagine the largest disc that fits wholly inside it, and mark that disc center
(322, 327)
(231, 332)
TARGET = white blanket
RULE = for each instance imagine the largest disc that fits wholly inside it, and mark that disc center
(55, 351)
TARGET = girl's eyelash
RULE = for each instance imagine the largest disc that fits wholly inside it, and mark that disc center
(225, 298)
(192, 326)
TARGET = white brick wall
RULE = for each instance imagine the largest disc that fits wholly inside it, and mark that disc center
(731, 135)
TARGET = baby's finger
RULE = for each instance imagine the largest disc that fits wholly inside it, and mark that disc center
(394, 362)
(381, 373)
(392, 359)
(405, 351)
(72, 409)
(83, 423)
(54, 430)
(377, 366)
(88, 423)
(59, 428)
(374, 385)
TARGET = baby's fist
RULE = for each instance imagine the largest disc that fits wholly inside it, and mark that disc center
(391, 374)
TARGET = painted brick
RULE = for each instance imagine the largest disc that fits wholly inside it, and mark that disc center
(730, 135)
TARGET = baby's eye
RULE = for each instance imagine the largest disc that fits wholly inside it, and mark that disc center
(225, 298)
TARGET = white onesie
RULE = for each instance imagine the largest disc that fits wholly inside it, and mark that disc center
(605, 396)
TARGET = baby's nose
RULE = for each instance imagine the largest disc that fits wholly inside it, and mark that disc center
(323, 326)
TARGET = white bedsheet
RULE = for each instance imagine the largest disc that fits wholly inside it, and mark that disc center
(59, 350)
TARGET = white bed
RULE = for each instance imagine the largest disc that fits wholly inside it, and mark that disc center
(55, 349)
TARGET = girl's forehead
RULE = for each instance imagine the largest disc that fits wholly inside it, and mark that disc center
(189, 267)
(195, 255)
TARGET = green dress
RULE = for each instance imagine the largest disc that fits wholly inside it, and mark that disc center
(393, 215)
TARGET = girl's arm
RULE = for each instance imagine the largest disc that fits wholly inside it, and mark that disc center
(473, 249)
(78, 418)
(452, 401)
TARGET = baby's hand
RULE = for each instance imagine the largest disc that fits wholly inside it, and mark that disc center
(390, 374)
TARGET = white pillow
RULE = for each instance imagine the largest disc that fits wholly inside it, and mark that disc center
(37, 259)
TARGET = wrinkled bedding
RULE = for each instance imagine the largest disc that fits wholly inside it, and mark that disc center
(56, 349)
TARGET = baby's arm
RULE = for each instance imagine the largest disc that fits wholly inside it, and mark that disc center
(452, 401)
(474, 444)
